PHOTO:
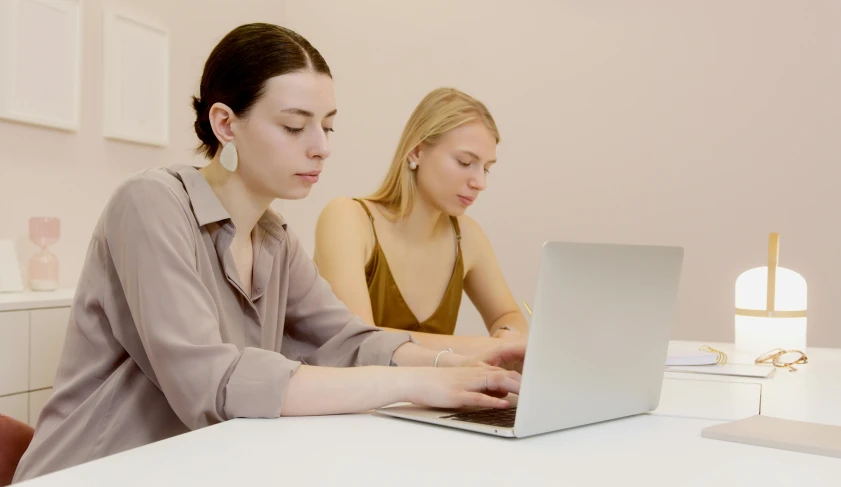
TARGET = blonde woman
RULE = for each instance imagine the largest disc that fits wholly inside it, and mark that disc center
(401, 257)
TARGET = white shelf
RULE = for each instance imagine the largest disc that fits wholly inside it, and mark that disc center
(36, 300)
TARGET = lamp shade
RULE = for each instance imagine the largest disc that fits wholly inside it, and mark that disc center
(770, 307)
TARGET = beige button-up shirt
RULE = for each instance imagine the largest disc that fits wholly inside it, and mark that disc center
(162, 339)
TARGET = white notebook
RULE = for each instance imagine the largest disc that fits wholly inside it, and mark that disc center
(737, 370)
(691, 357)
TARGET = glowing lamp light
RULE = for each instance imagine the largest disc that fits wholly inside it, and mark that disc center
(770, 307)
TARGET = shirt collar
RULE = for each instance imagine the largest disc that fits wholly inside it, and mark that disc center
(273, 223)
(208, 209)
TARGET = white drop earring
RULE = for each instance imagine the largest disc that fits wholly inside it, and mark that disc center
(413, 165)
(229, 157)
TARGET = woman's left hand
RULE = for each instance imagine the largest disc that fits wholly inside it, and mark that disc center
(509, 355)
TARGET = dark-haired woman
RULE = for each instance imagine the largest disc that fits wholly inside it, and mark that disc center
(197, 304)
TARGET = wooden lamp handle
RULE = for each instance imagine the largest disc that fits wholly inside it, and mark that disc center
(773, 262)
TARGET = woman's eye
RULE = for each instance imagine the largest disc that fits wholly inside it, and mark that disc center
(465, 164)
(327, 130)
(293, 130)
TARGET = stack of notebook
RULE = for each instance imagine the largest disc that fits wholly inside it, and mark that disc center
(691, 358)
(702, 362)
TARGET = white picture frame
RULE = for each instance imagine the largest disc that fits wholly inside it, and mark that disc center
(136, 80)
(40, 62)
(10, 280)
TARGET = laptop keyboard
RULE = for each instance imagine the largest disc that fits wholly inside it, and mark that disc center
(493, 417)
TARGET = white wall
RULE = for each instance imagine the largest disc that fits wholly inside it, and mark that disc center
(706, 124)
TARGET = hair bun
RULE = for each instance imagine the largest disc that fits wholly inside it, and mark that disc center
(202, 125)
(200, 107)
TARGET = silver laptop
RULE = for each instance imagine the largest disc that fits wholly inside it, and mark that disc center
(597, 344)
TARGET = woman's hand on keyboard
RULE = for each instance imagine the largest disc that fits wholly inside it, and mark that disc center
(453, 387)
(508, 356)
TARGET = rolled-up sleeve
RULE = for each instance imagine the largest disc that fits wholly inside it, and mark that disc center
(173, 332)
(323, 330)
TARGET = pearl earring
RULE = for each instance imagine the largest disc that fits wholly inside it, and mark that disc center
(229, 157)
(413, 165)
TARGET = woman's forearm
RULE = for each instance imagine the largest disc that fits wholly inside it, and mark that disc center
(463, 345)
(514, 320)
(316, 391)
(333, 390)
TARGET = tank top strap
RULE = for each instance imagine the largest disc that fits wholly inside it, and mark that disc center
(370, 217)
(457, 229)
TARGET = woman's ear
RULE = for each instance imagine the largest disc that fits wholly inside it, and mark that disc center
(415, 155)
(221, 120)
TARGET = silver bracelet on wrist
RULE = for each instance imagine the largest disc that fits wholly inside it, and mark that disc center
(439, 355)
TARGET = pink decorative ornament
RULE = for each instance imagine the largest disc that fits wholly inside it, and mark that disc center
(43, 265)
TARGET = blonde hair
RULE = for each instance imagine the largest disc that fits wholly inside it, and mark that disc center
(439, 112)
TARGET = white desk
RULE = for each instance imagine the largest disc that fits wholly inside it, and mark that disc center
(371, 450)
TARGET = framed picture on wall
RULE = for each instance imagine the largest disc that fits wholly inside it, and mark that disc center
(40, 57)
(136, 80)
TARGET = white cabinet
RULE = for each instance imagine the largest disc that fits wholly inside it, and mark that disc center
(16, 406)
(32, 330)
(46, 338)
(14, 352)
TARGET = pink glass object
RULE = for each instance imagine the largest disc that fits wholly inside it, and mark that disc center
(43, 266)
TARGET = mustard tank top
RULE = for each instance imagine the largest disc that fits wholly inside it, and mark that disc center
(387, 303)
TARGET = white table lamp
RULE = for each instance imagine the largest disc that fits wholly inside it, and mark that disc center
(770, 307)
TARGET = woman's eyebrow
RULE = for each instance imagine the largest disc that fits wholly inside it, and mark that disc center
(306, 113)
(473, 155)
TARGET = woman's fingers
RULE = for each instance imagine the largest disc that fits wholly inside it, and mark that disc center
(499, 394)
(502, 382)
(483, 400)
(499, 382)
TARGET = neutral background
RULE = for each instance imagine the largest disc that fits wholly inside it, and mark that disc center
(705, 124)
